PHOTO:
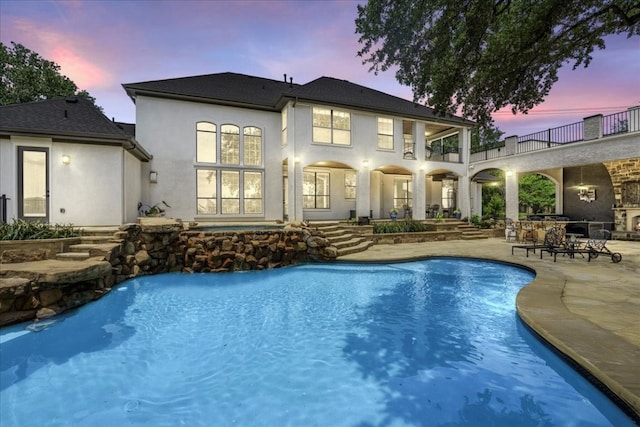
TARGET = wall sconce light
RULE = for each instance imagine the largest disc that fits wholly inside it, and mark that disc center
(509, 173)
(365, 163)
(66, 159)
(296, 159)
(422, 167)
(153, 177)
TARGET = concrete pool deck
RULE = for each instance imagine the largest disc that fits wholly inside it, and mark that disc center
(590, 311)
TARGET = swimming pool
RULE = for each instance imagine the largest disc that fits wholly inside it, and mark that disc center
(433, 342)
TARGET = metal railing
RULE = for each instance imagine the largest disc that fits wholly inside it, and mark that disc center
(623, 122)
(551, 137)
(612, 124)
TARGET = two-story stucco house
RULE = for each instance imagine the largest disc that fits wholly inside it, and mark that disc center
(233, 147)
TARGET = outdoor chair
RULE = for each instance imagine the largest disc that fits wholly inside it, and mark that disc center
(553, 238)
(569, 246)
(597, 244)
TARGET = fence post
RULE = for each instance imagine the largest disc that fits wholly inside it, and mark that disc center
(592, 127)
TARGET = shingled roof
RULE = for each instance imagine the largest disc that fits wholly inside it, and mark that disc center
(68, 119)
(226, 88)
(266, 94)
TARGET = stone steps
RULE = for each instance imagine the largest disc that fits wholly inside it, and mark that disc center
(73, 256)
(360, 247)
(99, 242)
(342, 239)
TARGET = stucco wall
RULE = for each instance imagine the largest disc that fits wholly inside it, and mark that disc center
(167, 129)
(88, 189)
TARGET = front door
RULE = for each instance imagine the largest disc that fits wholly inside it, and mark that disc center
(33, 184)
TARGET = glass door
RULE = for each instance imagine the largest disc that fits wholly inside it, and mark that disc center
(33, 184)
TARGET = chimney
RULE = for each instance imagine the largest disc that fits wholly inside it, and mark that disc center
(285, 77)
(290, 81)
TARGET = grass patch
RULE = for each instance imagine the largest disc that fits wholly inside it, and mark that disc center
(24, 230)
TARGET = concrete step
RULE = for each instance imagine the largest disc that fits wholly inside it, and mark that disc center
(473, 235)
(100, 231)
(360, 247)
(96, 239)
(338, 232)
(354, 241)
(73, 256)
(95, 249)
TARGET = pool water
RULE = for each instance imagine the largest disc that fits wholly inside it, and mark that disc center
(425, 343)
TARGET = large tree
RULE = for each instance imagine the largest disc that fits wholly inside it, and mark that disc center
(25, 76)
(483, 55)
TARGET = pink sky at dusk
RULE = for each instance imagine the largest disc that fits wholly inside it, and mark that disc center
(102, 44)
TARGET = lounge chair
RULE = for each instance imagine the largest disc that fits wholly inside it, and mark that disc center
(597, 244)
(553, 238)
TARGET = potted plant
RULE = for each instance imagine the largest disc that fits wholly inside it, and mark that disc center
(457, 214)
(393, 213)
(155, 210)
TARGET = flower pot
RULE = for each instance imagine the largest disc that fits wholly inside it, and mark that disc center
(394, 216)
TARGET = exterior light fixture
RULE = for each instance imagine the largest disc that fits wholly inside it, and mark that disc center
(509, 173)
(66, 159)
(296, 159)
(365, 163)
(153, 177)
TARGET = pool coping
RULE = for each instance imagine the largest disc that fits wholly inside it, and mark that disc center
(549, 306)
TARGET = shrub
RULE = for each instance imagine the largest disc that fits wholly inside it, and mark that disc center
(24, 230)
(404, 226)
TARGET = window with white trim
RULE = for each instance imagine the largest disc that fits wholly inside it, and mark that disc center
(230, 144)
(237, 188)
(331, 126)
(349, 184)
(385, 133)
(402, 193)
(315, 190)
(206, 142)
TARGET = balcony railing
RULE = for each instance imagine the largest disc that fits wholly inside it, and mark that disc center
(551, 137)
(597, 127)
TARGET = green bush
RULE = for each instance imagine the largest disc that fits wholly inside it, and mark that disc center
(404, 226)
(24, 230)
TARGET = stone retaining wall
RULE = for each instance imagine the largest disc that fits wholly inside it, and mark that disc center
(36, 290)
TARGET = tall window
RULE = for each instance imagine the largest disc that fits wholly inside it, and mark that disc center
(231, 190)
(402, 193)
(252, 146)
(385, 133)
(230, 144)
(252, 196)
(206, 192)
(315, 190)
(408, 149)
(331, 126)
(205, 142)
(350, 184)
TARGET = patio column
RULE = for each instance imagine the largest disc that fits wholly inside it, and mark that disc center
(296, 211)
(363, 192)
(511, 195)
(475, 195)
(419, 195)
(464, 202)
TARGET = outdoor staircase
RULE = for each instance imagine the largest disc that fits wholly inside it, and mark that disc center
(469, 232)
(345, 241)
(94, 242)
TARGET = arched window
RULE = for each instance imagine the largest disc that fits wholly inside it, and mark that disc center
(206, 142)
(230, 144)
